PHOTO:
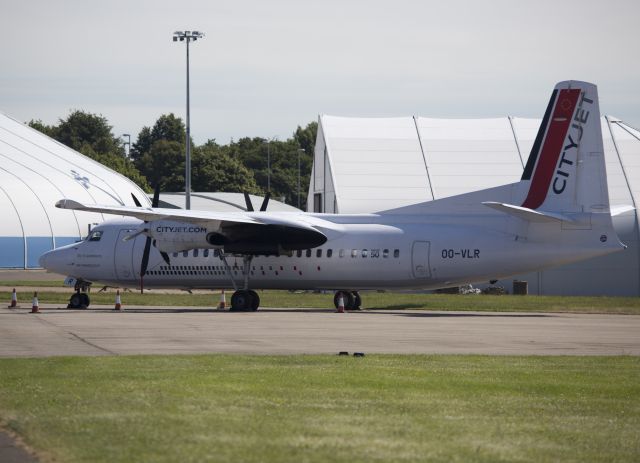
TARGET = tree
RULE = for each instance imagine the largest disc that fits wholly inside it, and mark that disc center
(82, 129)
(214, 170)
(163, 165)
(168, 127)
(306, 137)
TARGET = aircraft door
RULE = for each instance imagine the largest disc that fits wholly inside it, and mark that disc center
(420, 259)
(123, 256)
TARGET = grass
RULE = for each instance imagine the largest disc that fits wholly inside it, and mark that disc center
(371, 300)
(36, 283)
(325, 408)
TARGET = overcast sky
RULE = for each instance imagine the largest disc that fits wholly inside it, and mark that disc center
(265, 67)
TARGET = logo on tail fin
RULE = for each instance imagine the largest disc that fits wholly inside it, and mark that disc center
(554, 151)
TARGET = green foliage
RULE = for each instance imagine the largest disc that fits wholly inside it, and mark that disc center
(212, 169)
(158, 157)
(163, 165)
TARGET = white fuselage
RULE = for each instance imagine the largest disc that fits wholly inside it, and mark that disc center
(362, 252)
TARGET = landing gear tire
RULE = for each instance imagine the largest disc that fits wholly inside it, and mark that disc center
(357, 301)
(255, 300)
(79, 301)
(347, 299)
(245, 300)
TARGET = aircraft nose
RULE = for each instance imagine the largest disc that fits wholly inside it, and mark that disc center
(42, 261)
(57, 260)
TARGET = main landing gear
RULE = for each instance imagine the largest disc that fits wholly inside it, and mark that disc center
(350, 299)
(245, 299)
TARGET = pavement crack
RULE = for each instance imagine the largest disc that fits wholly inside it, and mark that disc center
(89, 343)
(78, 337)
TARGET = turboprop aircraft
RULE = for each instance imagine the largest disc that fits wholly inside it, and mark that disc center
(556, 214)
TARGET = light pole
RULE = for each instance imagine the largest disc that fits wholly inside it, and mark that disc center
(127, 144)
(299, 151)
(268, 143)
(187, 36)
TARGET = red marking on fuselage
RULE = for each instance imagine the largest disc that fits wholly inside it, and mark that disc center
(552, 147)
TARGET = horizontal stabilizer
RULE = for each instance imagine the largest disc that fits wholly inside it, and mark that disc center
(527, 214)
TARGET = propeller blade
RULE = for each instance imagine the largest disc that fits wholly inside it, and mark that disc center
(265, 202)
(165, 256)
(247, 200)
(145, 261)
(156, 196)
(135, 200)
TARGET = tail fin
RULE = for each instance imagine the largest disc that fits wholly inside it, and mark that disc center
(565, 171)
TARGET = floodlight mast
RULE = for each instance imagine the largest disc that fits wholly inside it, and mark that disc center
(187, 36)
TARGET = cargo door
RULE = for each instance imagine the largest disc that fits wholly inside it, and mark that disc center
(123, 256)
(420, 259)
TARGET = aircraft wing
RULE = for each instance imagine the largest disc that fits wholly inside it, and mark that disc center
(148, 214)
(241, 232)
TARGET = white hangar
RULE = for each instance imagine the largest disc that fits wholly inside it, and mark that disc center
(374, 164)
(36, 171)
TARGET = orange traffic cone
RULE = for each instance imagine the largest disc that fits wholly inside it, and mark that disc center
(223, 301)
(118, 301)
(14, 299)
(340, 304)
(34, 304)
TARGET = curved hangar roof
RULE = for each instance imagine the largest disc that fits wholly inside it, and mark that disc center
(374, 164)
(36, 172)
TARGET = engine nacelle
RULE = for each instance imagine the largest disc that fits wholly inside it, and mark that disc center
(170, 236)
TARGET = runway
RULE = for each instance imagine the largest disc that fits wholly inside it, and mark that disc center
(167, 330)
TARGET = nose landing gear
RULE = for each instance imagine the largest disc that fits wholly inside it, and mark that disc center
(80, 299)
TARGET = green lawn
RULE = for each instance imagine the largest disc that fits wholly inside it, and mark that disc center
(371, 300)
(233, 408)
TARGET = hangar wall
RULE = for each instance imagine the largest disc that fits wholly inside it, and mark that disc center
(36, 171)
(373, 164)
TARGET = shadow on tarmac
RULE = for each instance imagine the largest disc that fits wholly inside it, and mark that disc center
(397, 312)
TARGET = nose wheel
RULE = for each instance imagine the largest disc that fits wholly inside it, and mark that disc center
(245, 300)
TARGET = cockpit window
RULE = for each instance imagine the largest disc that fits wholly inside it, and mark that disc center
(95, 236)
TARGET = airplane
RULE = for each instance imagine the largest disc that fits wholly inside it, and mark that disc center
(556, 214)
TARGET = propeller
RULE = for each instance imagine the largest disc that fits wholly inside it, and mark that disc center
(263, 207)
(147, 245)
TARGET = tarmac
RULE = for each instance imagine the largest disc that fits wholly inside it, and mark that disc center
(57, 331)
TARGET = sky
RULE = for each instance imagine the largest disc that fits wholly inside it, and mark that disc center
(266, 67)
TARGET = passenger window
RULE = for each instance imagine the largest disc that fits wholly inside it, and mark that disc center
(308, 252)
(385, 253)
(319, 253)
(329, 252)
(195, 253)
(299, 253)
(95, 236)
(365, 253)
(396, 253)
(354, 253)
(185, 253)
(205, 253)
(175, 254)
(341, 253)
